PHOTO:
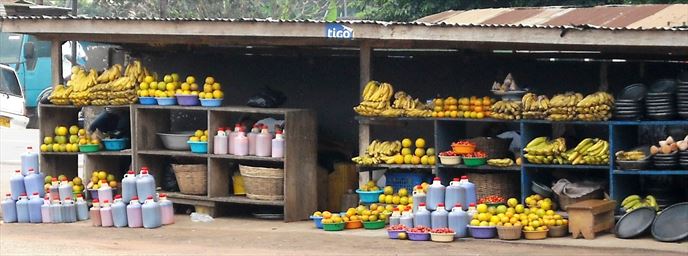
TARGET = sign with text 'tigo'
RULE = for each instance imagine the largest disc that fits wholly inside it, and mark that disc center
(338, 31)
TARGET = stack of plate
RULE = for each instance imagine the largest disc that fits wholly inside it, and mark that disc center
(683, 158)
(682, 95)
(629, 104)
(666, 161)
(659, 100)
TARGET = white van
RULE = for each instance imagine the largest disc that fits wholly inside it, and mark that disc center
(12, 110)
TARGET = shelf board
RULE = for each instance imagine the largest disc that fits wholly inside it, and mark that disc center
(513, 168)
(166, 152)
(237, 109)
(248, 158)
(223, 199)
(567, 166)
(651, 122)
(72, 106)
(366, 119)
(99, 153)
(576, 122)
(56, 106)
(651, 172)
(394, 166)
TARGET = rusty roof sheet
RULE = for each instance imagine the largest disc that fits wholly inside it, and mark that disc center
(635, 17)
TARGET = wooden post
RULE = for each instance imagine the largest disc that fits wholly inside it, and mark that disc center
(163, 8)
(604, 83)
(365, 71)
(56, 62)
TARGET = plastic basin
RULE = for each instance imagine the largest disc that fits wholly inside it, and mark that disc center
(413, 236)
(394, 234)
(442, 237)
(166, 101)
(175, 140)
(199, 147)
(87, 148)
(333, 226)
(353, 224)
(211, 102)
(115, 144)
(374, 224)
(482, 232)
(474, 161)
(368, 197)
(317, 220)
(450, 160)
(187, 100)
(535, 235)
(147, 101)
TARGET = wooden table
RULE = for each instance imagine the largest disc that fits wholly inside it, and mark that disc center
(591, 216)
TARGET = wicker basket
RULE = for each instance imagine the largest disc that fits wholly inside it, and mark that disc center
(263, 183)
(494, 147)
(192, 178)
(506, 185)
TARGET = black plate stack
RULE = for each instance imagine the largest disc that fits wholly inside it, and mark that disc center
(659, 100)
(665, 161)
(683, 159)
(682, 95)
(629, 104)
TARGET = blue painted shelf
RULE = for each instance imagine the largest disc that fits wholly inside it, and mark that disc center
(513, 168)
(568, 166)
(668, 122)
(650, 172)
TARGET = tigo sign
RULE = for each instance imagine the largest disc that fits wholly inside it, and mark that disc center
(339, 31)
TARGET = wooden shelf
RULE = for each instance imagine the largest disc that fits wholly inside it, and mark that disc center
(99, 153)
(369, 120)
(247, 158)
(237, 109)
(567, 166)
(223, 199)
(513, 168)
(167, 152)
(651, 172)
(394, 166)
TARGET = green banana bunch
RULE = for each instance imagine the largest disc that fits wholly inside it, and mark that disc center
(633, 202)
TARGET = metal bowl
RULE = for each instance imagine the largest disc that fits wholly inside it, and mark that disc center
(176, 140)
(541, 189)
(670, 224)
(635, 223)
(633, 92)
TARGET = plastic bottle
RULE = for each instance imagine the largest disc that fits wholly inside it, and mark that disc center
(23, 209)
(230, 140)
(106, 214)
(435, 194)
(457, 220)
(422, 216)
(452, 194)
(264, 143)
(278, 144)
(128, 186)
(439, 217)
(81, 208)
(166, 210)
(9, 209)
(394, 219)
(35, 203)
(33, 182)
(471, 210)
(95, 213)
(145, 185)
(104, 192)
(150, 211)
(17, 184)
(56, 212)
(469, 191)
(55, 189)
(240, 143)
(252, 139)
(418, 197)
(69, 210)
(119, 212)
(406, 218)
(219, 143)
(66, 189)
(134, 218)
(45, 210)
(29, 160)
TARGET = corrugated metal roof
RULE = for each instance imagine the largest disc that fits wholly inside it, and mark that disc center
(635, 17)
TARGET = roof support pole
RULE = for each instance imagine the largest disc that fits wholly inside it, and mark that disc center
(56, 62)
(364, 63)
(604, 83)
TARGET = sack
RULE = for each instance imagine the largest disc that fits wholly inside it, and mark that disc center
(169, 180)
(268, 98)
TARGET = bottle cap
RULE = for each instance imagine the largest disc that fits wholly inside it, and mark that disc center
(163, 195)
(118, 196)
(421, 204)
(440, 205)
(464, 177)
(69, 198)
(130, 172)
(79, 196)
(436, 178)
(106, 201)
(278, 131)
(149, 197)
(221, 129)
(144, 171)
(22, 194)
(471, 204)
(54, 179)
(95, 200)
(457, 205)
(35, 193)
(29, 147)
(455, 179)
(17, 171)
(395, 209)
(8, 194)
(31, 170)
(134, 198)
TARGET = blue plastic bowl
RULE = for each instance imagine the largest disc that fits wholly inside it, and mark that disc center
(211, 102)
(483, 232)
(147, 101)
(115, 144)
(187, 100)
(368, 197)
(318, 221)
(198, 147)
(166, 101)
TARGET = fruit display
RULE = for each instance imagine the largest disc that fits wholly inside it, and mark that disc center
(442, 231)
(543, 151)
(199, 135)
(397, 152)
(500, 162)
(402, 197)
(589, 151)
(379, 152)
(419, 229)
(491, 199)
(506, 109)
(593, 151)
(473, 107)
(76, 183)
(398, 227)
(633, 202)
(595, 107)
(633, 155)
(166, 88)
(68, 139)
(540, 214)
(211, 88)
(562, 107)
(534, 106)
(669, 146)
(329, 218)
(376, 102)
(370, 186)
(100, 176)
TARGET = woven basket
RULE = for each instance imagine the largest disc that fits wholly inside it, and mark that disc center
(506, 185)
(192, 178)
(263, 183)
(494, 147)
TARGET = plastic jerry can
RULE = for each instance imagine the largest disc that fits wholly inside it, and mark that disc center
(134, 218)
(457, 220)
(119, 212)
(471, 210)
(150, 211)
(145, 185)
(240, 143)
(252, 139)
(128, 186)
(439, 217)
(469, 191)
(35, 203)
(230, 141)
(29, 160)
(56, 212)
(422, 216)
(65, 189)
(219, 143)
(106, 214)
(94, 212)
(69, 210)
(278, 144)
(406, 218)
(264, 143)
(9, 209)
(23, 209)
(33, 182)
(452, 194)
(54, 189)
(435, 194)
(45, 210)
(166, 210)
(394, 218)
(81, 208)
(17, 185)
(104, 192)
(418, 197)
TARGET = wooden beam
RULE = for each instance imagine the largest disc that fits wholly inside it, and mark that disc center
(365, 76)
(56, 62)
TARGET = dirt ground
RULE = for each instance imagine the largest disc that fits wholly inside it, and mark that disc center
(237, 236)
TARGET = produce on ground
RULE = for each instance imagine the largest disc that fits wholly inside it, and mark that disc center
(376, 102)
(633, 202)
(592, 151)
(402, 197)
(506, 109)
(419, 229)
(98, 177)
(500, 162)
(110, 87)
(669, 145)
(562, 107)
(398, 227)
(69, 139)
(442, 231)
(397, 152)
(361, 213)
(595, 107)
(199, 135)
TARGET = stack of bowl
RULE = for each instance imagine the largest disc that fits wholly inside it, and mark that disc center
(659, 100)
(683, 158)
(629, 104)
(665, 161)
(682, 95)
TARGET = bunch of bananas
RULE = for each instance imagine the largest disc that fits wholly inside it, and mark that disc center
(534, 106)
(633, 202)
(379, 152)
(543, 151)
(563, 106)
(110, 74)
(503, 162)
(80, 83)
(589, 151)
(634, 155)
(506, 109)
(595, 107)
(376, 98)
(137, 71)
(410, 107)
(60, 95)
